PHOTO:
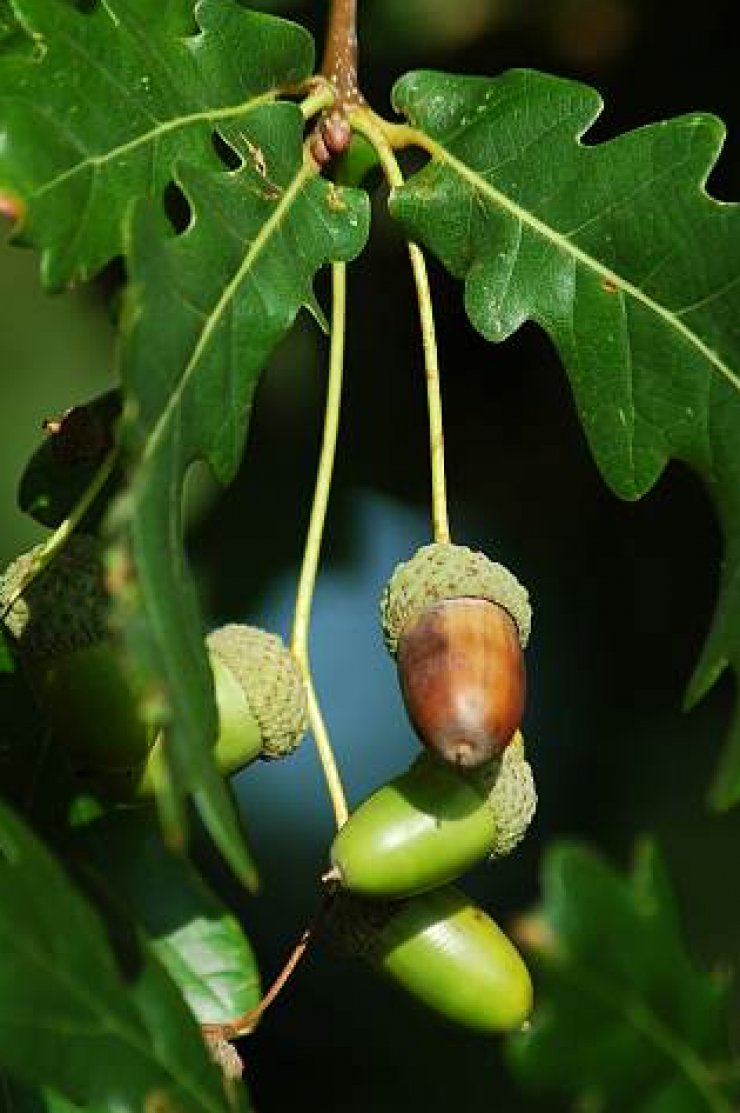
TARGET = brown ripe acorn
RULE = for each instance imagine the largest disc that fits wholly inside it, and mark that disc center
(456, 623)
(461, 671)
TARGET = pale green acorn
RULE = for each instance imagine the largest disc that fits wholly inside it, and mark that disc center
(432, 823)
(442, 949)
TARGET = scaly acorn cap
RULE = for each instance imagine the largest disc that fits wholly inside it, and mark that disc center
(512, 798)
(271, 681)
(445, 571)
(64, 608)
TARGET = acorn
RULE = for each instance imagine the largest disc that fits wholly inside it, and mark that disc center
(260, 696)
(442, 949)
(457, 623)
(432, 823)
(59, 626)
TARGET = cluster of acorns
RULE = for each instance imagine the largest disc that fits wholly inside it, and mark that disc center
(456, 624)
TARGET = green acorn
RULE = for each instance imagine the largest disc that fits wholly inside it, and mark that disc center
(442, 949)
(456, 623)
(59, 626)
(260, 697)
(434, 822)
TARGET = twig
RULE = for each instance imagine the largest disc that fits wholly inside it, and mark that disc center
(245, 1024)
(340, 53)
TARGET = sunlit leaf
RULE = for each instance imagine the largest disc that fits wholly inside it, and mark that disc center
(199, 942)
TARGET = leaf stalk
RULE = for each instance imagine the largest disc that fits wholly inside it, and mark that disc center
(374, 129)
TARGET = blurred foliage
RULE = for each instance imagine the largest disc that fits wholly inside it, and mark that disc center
(624, 1019)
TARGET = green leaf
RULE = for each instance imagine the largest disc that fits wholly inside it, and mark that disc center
(207, 308)
(96, 116)
(70, 1018)
(195, 937)
(623, 1018)
(617, 251)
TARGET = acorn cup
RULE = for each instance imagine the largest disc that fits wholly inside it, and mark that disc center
(434, 822)
(456, 623)
(260, 699)
(59, 629)
(443, 950)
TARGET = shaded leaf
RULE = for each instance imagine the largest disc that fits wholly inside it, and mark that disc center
(70, 1018)
(206, 310)
(58, 474)
(97, 115)
(617, 251)
(15, 1098)
(7, 664)
(623, 1017)
(196, 938)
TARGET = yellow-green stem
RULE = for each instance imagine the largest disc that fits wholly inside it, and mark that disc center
(322, 98)
(366, 122)
(61, 535)
(312, 551)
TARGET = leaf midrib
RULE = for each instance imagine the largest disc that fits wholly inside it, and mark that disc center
(308, 170)
(207, 115)
(566, 246)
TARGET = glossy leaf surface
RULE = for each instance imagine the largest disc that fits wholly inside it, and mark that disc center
(206, 310)
(98, 112)
(198, 941)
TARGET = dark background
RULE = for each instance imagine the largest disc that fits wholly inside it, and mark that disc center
(623, 593)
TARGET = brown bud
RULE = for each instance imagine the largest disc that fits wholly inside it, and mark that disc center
(461, 671)
(319, 150)
(336, 132)
(331, 137)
